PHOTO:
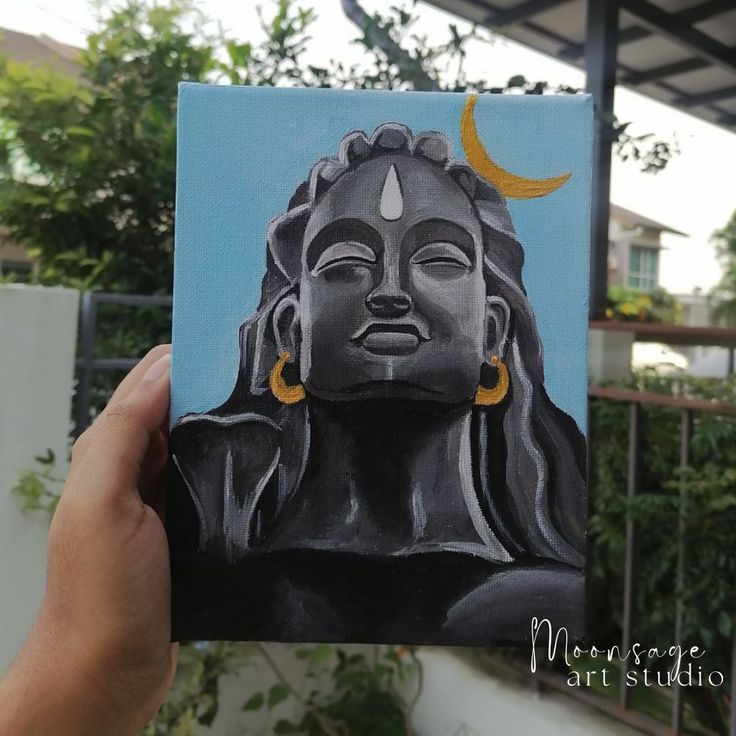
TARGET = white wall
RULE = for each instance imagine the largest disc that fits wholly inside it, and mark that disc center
(460, 699)
(37, 342)
(609, 355)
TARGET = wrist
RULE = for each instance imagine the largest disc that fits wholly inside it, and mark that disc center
(48, 690)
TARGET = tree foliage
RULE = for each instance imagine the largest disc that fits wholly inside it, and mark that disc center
(723, 296)
(92, 159)
(87, 165)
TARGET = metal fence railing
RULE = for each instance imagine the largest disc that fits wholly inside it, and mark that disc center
(687, 408)
(682, 336)
(87, 364)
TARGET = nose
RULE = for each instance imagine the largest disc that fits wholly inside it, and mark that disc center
(384, 304)
(389, 298)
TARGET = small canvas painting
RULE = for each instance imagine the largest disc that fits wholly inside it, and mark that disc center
(378, 396)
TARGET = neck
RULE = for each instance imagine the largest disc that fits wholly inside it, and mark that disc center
(385, 476)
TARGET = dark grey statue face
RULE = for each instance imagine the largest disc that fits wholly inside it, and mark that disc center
(392, 298)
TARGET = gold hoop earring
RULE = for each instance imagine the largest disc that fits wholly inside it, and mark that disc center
(492, 396)
(279, 388)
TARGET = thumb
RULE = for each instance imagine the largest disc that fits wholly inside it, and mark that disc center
(112, 463)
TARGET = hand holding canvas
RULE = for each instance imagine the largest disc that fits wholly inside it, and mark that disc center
(99, 658)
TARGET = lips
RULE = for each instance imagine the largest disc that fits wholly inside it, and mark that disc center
(390, 338)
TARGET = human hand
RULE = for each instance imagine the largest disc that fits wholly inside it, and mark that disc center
(99, 659)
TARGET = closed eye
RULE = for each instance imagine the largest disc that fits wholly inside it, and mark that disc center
(346, 252)
(441, 253)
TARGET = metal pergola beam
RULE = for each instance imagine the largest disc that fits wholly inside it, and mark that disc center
(505, 17)
(600, 67)
(664, 71)
(715, 95)
(704, 11)
(668, 25)
(687, 16)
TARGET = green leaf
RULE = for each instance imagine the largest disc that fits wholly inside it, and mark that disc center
(284, 726)
(518, 80)
(79, 130)
(254, 702)
(725, 623)
(49, 458)
(277, 694)
(321, 653)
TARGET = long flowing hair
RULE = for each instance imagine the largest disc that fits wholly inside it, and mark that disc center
(528, 455)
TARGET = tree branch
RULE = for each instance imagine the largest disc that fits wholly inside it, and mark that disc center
(409, 712)
(330, 727)
(408, 67)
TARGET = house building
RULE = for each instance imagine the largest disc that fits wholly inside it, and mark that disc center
(633, 249)
(13, 257)
(40, 51)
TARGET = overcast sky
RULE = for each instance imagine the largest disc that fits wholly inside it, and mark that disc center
(695, 194)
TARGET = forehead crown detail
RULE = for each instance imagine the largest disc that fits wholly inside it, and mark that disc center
(286, 231)
(392, 200)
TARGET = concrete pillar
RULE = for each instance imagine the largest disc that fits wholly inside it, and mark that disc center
(601, 40)
(38, 330)
(609, 355)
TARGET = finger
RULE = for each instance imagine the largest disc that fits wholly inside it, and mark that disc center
(156, 499)
(123, 389)
(152, 482)
(131, 380)
(154, 463)
(174, 659)
(111, 465)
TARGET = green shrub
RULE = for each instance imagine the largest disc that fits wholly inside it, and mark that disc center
(709, 507)
(629, 305)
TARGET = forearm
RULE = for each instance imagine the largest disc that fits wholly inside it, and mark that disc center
(49, 692)
(99, 660)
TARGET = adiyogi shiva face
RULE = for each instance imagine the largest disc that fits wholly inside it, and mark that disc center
(392, 294)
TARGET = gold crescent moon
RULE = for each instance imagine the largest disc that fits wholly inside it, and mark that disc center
(510, 185)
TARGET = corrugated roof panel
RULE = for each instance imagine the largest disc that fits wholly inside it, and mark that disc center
(722, 27)
(694, 25)
(704, 80)
(650, 52)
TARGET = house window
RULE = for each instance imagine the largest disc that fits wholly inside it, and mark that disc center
(20, 269)
(643, 268)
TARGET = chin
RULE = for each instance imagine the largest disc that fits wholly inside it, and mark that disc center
(390, 389)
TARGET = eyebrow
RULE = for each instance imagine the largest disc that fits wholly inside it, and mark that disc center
(347, 228)
(438, 229)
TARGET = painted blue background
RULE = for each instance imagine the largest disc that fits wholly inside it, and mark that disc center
(242, 151)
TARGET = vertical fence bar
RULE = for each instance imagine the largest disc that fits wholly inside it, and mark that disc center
(631, 481)
(84, 385)
(686, 428)
(589, 440)
(732, 729)
(589, 455)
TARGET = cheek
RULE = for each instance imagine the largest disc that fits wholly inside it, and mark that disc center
(454, 307)
(333, 308)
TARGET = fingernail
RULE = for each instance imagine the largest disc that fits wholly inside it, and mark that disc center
(157, 370)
